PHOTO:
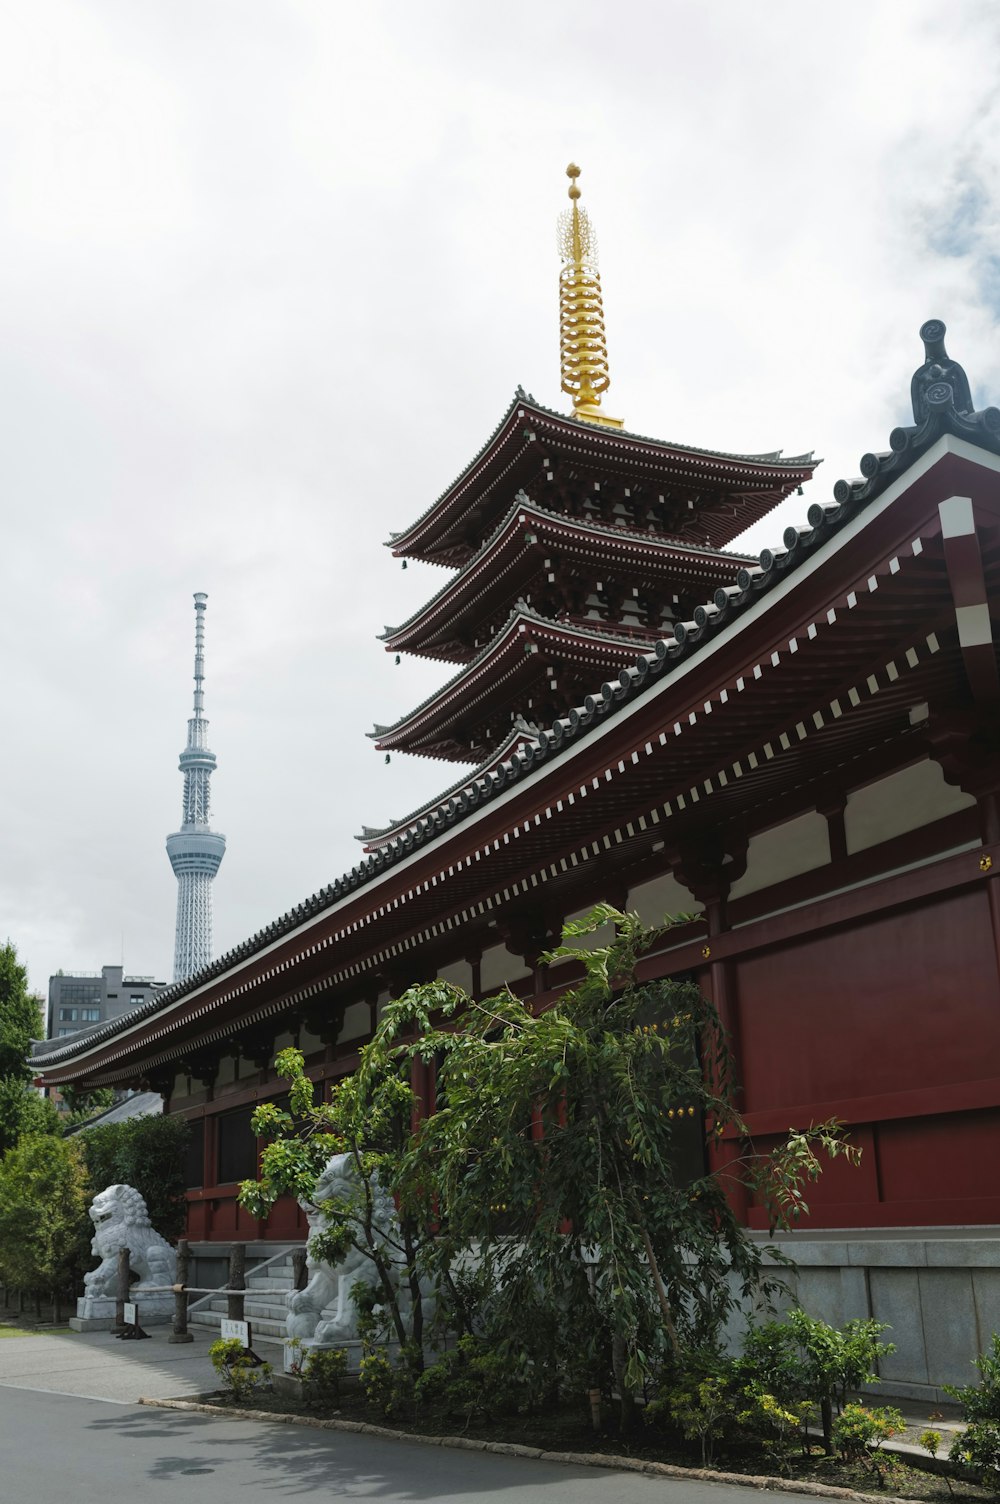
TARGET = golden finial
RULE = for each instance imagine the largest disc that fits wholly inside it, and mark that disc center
(583, 351)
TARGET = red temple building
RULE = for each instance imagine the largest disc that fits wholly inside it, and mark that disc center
(802, 749)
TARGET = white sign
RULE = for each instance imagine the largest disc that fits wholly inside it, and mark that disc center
(131, 1317)
(238, 1329)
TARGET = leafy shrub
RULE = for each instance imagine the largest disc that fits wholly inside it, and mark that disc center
(930, 1440)
(322, 1372)
(377, 1377)
(779, 1426)
(977, 1451)
(860, 1433)
(147, 1153)
(981, 1401)
(804, 1358)
(469, 1380)
(241, 1373)
(699, 1397)
(44, 1238)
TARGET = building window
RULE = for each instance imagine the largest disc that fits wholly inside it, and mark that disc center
(67, 1015)
(195, 1177)
(64, 1032)
(237, 1153)
(90, 1015)
(136, 999)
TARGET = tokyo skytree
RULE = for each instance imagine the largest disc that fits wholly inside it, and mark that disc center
(195, 851)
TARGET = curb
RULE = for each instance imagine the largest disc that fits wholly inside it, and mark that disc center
(513, 1449)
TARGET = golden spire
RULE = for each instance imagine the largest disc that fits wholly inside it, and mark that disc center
(583, 351)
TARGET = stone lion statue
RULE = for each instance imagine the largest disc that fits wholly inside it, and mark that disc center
(324, 1310)
(121, 1220)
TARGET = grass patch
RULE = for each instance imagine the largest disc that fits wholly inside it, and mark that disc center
(17, 1331)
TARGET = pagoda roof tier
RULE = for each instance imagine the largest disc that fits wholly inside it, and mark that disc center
(374, 837)
(511, 674)
(707, 495)
(519, 554)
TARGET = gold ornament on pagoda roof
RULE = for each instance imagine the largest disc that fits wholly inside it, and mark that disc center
(582, 345)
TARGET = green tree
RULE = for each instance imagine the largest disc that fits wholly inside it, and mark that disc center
(20, 1017)
(367, 1118)
(22, 1110)
(554, 1152)
(44, 1242)
(84, 1104)
(148, 1153)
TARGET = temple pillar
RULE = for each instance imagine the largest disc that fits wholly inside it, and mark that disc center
(708, 866)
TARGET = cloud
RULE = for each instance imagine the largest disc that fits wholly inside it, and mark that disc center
(272, 272)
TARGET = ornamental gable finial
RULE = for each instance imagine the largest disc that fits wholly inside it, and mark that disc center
(940, 381)
(583, 348)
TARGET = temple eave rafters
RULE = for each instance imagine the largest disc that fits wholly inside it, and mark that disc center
(499, 682)
(535, 550)
(530, 438)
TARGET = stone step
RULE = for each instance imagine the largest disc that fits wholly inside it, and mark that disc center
(264, 1283)
(263, 1330)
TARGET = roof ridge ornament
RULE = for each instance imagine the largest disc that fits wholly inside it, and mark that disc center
(940, 381)
(583, 349)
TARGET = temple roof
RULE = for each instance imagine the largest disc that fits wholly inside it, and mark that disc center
(515, 552)
(941, 414)
(744, 487)
(497, 678)
(522, 734)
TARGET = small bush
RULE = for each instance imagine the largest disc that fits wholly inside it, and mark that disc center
(779, 1426)
(977, 1452)
(377, 1377)
(860, 1433)
(322, 1371)
(981, 1401)
(241, 1373)
(470, 1380)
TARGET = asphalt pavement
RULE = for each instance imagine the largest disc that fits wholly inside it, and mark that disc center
(71, 1429)
(57, 1447)
(98, 1366)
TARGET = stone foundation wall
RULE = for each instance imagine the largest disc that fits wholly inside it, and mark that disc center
(939, 1289)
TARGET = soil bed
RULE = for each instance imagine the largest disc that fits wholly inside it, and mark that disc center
(566, 1431)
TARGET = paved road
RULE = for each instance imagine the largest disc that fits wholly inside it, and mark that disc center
(57, 1447)
(94, 1364)
(70, 1429)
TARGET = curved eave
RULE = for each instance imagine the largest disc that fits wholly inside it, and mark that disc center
(493, 572)
(426, 729)
(376, 837)
(766, 478)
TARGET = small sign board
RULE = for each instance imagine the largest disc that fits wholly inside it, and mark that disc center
(131, 1316)
(240, 1330)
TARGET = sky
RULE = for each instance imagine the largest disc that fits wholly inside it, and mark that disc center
(270, 272)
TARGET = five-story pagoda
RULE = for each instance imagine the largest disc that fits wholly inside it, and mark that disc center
(574, 546)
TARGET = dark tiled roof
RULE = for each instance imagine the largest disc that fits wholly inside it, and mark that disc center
(521, 397)
(941, 405)
(521, 612)
(524, 503)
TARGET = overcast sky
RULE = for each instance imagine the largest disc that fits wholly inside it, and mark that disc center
(270, 271)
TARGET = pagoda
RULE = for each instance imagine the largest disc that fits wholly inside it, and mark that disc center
(573, 547)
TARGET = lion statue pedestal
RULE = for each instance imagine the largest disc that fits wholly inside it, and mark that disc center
(121, 1220)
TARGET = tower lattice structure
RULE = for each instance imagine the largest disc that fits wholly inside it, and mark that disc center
(195, 851)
